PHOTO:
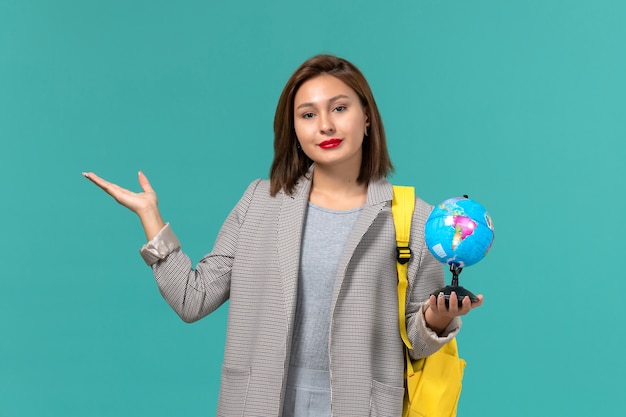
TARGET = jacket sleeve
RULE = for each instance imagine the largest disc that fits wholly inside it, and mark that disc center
(425, 277)
(195, 293)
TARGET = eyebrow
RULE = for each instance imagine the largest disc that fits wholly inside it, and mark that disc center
(330, 100)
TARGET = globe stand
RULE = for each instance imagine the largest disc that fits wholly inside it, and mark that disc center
(461, 292)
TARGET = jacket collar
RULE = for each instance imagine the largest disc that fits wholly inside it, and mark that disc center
(378, 191)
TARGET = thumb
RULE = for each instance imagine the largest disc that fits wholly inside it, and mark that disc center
(144, 183)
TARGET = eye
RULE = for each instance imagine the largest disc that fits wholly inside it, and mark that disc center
(308, 115)
(340, 108)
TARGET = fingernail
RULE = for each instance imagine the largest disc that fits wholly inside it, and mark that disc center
(85, 174)
(441, 294)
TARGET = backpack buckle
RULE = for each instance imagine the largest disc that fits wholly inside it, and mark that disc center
(404, 254)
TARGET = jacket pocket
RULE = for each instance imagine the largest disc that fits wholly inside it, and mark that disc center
(386, 400)
(234, 391)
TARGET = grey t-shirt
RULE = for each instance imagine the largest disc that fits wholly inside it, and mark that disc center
(324, 237)
(308, 384)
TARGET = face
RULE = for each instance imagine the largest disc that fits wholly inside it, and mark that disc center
(330, 122)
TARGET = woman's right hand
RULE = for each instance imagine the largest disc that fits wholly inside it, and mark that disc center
(144, 204)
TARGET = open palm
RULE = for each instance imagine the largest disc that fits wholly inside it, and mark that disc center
(144, 204)
(137, 202)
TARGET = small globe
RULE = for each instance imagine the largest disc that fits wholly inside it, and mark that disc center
(459, 231)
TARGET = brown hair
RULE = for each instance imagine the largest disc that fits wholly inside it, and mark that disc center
(290, 163)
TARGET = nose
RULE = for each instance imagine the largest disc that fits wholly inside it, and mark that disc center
(326, 124)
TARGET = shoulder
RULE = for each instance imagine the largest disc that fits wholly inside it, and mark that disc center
(258, 192)
(379, 191)
(255, 198)
(422, 208)
(259, 185)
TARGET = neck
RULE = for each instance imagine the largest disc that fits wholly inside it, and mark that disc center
(337, 190)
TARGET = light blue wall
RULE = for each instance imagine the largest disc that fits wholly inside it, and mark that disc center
(519, 104)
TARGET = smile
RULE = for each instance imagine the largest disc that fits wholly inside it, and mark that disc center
(330, 143)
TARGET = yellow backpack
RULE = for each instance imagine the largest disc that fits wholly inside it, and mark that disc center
(433, 384)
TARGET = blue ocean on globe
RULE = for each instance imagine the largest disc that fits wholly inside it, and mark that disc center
(459, 231)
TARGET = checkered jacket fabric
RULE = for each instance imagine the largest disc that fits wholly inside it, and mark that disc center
(254, 264)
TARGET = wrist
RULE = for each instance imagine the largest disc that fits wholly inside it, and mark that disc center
(151, 221)
(436, 322)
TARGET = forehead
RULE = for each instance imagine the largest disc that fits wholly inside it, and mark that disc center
(322, 88)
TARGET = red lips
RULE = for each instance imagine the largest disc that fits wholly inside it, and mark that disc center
(330, 143)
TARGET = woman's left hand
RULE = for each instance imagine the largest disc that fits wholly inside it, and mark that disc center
(438, 316)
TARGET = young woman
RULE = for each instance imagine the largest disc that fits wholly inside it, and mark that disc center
(308, 262)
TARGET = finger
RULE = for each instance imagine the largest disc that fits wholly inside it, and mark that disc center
(453, 305)
(441, 302)
(100, 182)
(143, 181)
(432, 302)
(110, 188)
(90, 176)
(479, 302)
(466, 305)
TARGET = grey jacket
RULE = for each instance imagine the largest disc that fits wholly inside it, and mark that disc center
(254, 264)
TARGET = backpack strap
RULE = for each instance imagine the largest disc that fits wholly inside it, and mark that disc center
(402, 207)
